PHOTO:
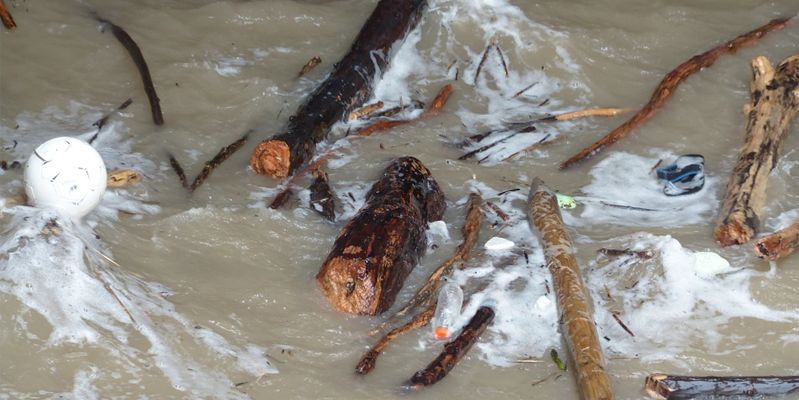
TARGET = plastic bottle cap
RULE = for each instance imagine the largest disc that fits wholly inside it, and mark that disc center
(65, 174)
(441, 332)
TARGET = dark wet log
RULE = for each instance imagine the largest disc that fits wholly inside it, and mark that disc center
(669, 84)
(453, 351)
(220, 157)
(673, 387)
(322, 199)
(5, 16)
(378, 248)
(345, 89)
(778, 244)
(574, 303)
(774, 104)
(369, 360)
(138, 59)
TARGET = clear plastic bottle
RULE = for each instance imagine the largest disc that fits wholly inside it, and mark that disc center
(448, 309)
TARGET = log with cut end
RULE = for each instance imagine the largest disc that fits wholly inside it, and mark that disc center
(377, 249)
(345, 89)
(454, 351)
(673, 387)
(778, 244)
(577, 323)
(774, 104)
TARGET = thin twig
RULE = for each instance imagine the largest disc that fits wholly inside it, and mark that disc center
(220, 157)
(482, 61)
(178, 170)
(519, 93)
(310, 65)
(618, 319)
(502, 59)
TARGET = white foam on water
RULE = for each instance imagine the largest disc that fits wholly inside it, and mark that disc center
(655, 296)
(782, 221)
(624, 179)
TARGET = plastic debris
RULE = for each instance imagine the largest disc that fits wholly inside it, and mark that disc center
(448, 310)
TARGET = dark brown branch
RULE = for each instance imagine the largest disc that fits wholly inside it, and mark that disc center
(178, 170)
(8, 20)
(622, 324)
(502, 59)
(138, 59)
(482, 61)
(322, 199)
(453, 351)
(220, 157)
(669, 84)
(100, 123)
(435, 106)
(673, 387)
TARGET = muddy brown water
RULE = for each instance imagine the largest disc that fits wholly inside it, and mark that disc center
(224, 67)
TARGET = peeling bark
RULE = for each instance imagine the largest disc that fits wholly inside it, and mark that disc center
(377, 249)
(774, 104)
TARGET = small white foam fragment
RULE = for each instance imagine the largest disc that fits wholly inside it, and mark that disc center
(708, 264)
(438, 228)
(543, 304)
(497, 243)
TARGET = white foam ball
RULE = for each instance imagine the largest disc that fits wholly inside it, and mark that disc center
(65, 174)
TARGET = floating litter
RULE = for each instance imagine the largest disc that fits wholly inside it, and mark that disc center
(708, 264)
(65, 174)
(498, 243)
(448, 310)
(565, 201)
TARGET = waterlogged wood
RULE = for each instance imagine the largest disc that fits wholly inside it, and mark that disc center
(309, 66)
(138, 59)
(453, 351)
(122, 178)
(5, 16)
(369, 360)
(322, 199)
(774, 104)
(435, 106)
(377, 249)
(173, 162)
(669, 84)
(673, 387)
(345, 89)
(220, 157)
(778, 244)
(577, 323)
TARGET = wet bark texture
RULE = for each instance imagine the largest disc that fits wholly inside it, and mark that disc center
(454, 351)
(669, 84)
(779, 244)
(344, 90)
(574, 303)
(774, 104)
(668, 387)
(378, 248)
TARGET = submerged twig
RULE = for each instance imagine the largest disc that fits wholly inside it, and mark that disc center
(220, 157)
(100, 123)
(8, 20)
(622, 324)
(178, 170)
(642, 254)
(668, 85)
(138, 59)
(502, 59)
(309, 66)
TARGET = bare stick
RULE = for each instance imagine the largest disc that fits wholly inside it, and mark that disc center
(178, 170)
(365, 111)
(669, 84)
(435, 106)
(502, 59)
(574, 303)
(310, 65)
(778, 244)
(519, 93)
(774, 104)
(8, 20)
(368, 361)
(138, 59)
(453, 351)
(672, 387)
(482, 61)
(220, 157)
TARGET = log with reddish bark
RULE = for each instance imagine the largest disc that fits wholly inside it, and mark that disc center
(778, 244)
(378, 248)
(5, 16)
(673, 387)
(574, 303)
(669, 84)
(345, 89)
(453, 351)
(774, 104)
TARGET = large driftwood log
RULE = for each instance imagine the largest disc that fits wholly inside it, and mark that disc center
(669, 84)
(774, 104)
(673, 387)
(778, 244)
(453, 351)
(347, 87)
(574, 303)
(377, 249)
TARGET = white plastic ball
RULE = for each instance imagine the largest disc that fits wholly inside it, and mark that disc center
(65, 174)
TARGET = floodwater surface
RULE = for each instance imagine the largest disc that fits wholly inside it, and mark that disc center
(164, 294)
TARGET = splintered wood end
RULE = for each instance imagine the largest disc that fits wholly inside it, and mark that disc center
(272, 158)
